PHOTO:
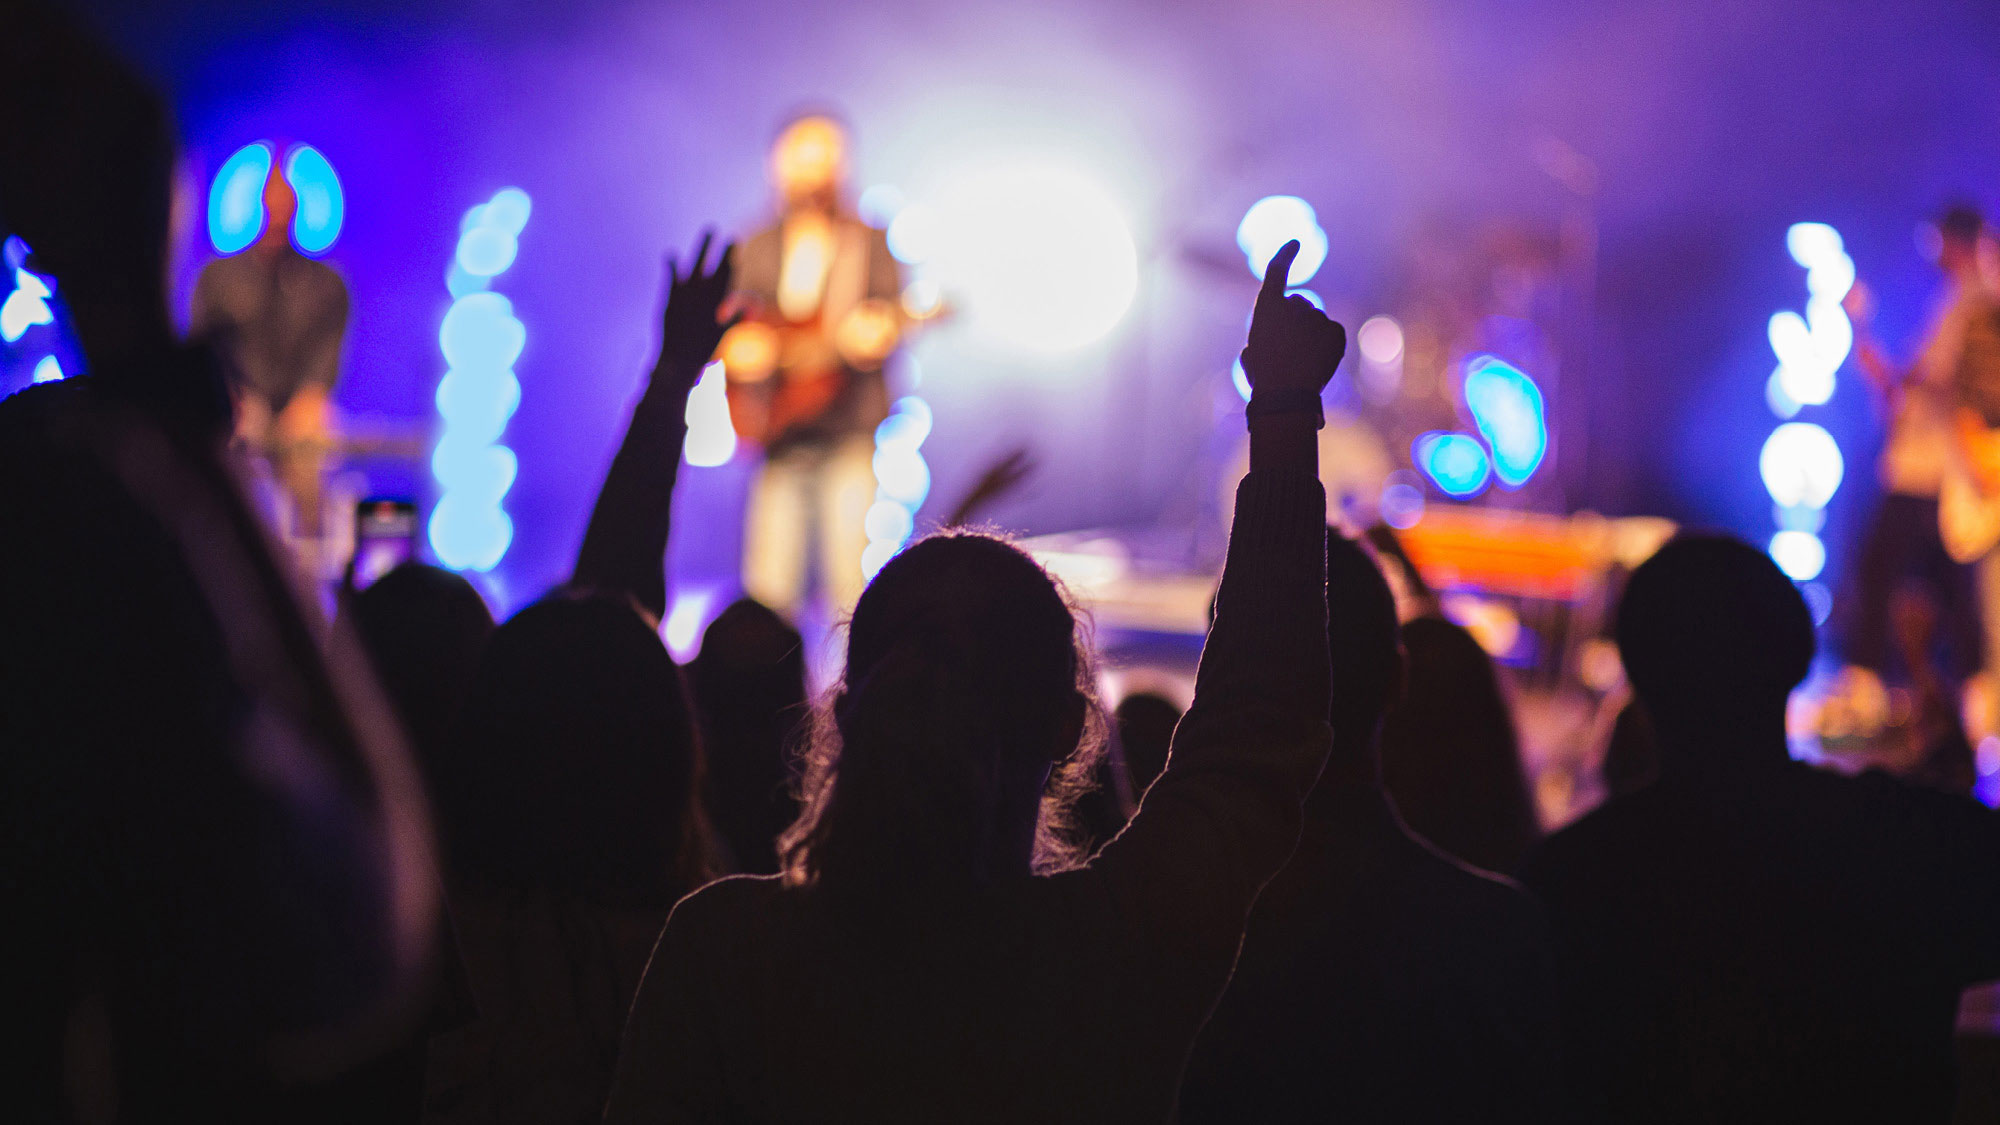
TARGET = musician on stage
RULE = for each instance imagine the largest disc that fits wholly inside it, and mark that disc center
(820, 293)
(278, 319)
(1955, 369)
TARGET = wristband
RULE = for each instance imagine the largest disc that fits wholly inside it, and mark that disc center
(1294, 400)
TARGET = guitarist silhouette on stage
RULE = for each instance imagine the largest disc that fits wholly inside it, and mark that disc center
(820, 292)
(1937, 476)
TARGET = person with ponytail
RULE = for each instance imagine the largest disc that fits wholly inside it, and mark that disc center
(931, 950)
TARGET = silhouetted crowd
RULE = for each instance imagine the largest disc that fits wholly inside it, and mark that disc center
(416, 865)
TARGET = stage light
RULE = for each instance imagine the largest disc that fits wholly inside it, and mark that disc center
(1275, 220)
(1041, 254)
(1239, 378)
(480, 338)
(902, 481)
(1402, 503)
(879, 205)
(907, 426)
(481, 333)
(484, 251)
(901, 475)
(1381, 339)
(1819, 600)
(48, 370)
(316, 221)
(1799, 518)
(236, 199)
(685, 618)
(1777, 397)
(1800, 554)
(888, 520)
(1812, 243)
(26, 306)
(913, 234)
(711, 436)
(507, 211)
(1507, 405)
(1454, 462)
(1801, 465)
(13, 253)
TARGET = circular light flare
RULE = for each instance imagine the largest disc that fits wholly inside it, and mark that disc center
(1275, 220)
(1041, 253)
(1800, 554)
(1801, 465)
(1380, 339)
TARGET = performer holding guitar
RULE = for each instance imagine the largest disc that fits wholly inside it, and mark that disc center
(1940, 467)
(820, 294)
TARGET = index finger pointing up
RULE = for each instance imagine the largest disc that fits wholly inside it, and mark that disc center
(1278, 274)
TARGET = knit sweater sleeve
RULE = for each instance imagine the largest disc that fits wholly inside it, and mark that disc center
(1226, 813)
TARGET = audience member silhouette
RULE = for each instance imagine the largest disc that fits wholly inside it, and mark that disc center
(911, 964)
(570, 800)
(1749, 938)
(1450, 758)
(1632, 755)
(1146, 722)
(216, 879)
(749, 687)
(423, 628)
(1379, 981)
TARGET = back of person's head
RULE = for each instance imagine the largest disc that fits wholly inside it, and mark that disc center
(1712, 634)
(1146, 722)
(1364, 639)
(423, 627)
(1451, 759)
(1961, 223)
(749, 685)
(86, 170)
(576, 767)
(966, 682)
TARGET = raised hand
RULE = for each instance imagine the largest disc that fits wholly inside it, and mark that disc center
(1294, 348)
(690, 327)
(1000, 478)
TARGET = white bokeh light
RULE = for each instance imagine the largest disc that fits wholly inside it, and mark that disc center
(711, 436)
(1275, 220)
(1800, 554)
(1381, 339)
(1801, 465)
(1039, 255)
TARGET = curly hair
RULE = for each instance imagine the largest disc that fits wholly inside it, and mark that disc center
(964, 658)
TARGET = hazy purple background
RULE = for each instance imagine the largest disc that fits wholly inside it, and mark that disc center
(1714, 124)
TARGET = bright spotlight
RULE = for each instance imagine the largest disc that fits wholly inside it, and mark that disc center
(1800, 554)
(1275, 220)
(48, 370)
(1041, 253)
(1801, 465)
(1381, 339)
(1455, 463)
(1240, 379)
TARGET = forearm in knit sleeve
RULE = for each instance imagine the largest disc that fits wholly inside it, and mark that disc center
(1226, 813)
(624, 548)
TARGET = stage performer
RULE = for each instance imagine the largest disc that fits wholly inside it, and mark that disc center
(1904, 547)
(819, 290)
(278, 319)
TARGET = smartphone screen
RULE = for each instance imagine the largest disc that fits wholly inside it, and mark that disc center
(385, 536)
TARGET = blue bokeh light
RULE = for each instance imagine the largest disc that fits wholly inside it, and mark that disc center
(1455, 463)
(480, 338)
(1507, 406)
(322, 206)
(236, 199)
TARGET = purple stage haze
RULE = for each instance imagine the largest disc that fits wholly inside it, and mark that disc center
(1713, 125)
